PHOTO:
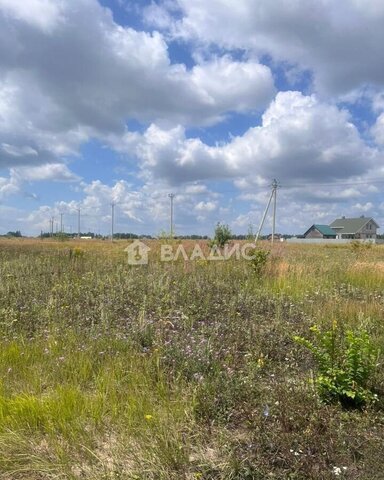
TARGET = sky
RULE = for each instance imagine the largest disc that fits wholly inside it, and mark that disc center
(122, 101)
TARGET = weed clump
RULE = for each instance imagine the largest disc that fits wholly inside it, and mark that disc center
(360, 247)
(76, 252)
(259, 261)
(346, 362)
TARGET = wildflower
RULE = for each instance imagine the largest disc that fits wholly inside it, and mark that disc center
(198, 376)
(337, 470)
(148, 417)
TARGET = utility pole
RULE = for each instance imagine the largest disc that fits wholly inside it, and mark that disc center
(52, 221)
(61, 222)
(263, 219)
(112, 219)
(78, 223)
(274, 197)
(171, 196)
(274, 191)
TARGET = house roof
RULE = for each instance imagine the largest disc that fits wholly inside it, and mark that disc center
(323, 229)
(351, 225)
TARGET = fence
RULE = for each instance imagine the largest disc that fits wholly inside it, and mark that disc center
(333, 241)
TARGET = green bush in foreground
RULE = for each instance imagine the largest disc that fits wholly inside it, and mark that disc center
(345, 362)
(259, 261)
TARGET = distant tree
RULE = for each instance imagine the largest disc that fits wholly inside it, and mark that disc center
(125, 236)
(250, 233)
(222, 235)
(14, 234)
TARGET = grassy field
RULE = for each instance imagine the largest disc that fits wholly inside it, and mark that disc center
(185, 370)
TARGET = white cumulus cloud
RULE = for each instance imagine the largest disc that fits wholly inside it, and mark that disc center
(340, 42)
(85, 76)
(300, 138)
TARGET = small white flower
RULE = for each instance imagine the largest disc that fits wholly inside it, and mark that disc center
(296, 454)
(336, 471)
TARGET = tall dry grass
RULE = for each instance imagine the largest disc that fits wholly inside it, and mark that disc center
(179, 370)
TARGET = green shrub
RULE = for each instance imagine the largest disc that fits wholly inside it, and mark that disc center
(345, 362)
(259, 261)
(76, 252)
(222, 235)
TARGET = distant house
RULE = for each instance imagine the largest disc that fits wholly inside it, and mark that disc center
(320, 231)
(277, 236)
(358, 228)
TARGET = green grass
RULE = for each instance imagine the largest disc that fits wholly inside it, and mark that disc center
(180, 371)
